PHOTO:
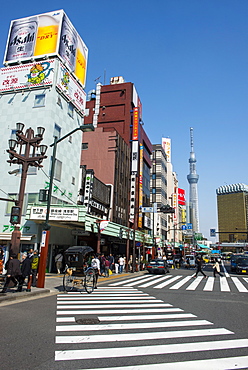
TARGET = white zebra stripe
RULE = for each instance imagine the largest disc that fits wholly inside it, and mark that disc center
(214, 363)
(140, 336)
(148, 325)
(116, 311)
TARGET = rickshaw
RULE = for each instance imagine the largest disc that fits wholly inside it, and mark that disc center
(77, 274)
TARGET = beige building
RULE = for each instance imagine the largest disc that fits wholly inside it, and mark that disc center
(232, 213)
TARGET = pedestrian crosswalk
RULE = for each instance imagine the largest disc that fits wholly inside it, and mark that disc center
(222, 284)
(132, 330)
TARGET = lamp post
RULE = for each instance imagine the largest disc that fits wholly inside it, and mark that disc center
(30, 153)
(46, 226)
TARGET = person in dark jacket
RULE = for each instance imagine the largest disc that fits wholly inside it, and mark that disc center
(199, 263)
(13, 272)
(25, 271)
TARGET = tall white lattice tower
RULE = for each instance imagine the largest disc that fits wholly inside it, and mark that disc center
(193, 179)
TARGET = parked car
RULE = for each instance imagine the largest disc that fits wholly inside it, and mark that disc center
(158, 266)
(189, 260)
(233, 261)
(242, 265)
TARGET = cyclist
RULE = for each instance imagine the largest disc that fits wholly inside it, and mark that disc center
(95, 263)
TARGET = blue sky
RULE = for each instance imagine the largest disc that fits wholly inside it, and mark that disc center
(188, 60)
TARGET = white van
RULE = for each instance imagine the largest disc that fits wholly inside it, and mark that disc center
(190, 260)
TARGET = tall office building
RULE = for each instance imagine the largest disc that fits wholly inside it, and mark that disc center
(193, 180)
(232, 203)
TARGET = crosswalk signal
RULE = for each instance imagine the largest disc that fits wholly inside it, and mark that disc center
(15, 216)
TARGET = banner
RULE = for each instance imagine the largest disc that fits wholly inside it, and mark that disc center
(181, 197)
(27, 75)
(71, 89)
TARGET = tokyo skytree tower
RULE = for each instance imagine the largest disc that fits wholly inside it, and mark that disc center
(193, 194)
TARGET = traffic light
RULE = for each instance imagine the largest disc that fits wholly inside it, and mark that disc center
(167, 209)
(43, 194)
(15, 216)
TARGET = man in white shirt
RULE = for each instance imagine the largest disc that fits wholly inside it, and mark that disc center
(121, 264)
(95, 263)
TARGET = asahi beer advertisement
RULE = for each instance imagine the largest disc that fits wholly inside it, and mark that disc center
(70, 88)
(27, 75)
(47, 34)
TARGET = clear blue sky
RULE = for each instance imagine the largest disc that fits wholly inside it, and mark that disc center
(188, 60)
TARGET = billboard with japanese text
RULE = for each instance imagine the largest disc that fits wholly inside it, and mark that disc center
(28, 75)
(181, 197)
(46, 35)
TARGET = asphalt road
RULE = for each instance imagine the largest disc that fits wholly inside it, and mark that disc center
(139, 322)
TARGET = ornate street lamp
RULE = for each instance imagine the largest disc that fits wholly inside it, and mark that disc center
(25, 151)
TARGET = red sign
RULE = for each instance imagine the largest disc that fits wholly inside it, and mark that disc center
(136, 124)
(181, 197)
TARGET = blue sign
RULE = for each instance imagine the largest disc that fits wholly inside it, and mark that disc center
(184, 227)
(189, 226)
(212, 232)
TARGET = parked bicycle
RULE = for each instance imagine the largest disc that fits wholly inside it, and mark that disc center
(77, 274)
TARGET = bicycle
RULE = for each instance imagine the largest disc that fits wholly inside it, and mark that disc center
(78, 275)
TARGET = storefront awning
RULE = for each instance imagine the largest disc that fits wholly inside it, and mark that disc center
(7, 236)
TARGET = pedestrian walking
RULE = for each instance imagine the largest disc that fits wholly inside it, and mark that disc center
(102, 264)
(216, 268)
(59, 261)
(95, 263)
(13, 272)
(25, 271)
(199, 263)
(34, 267)
(121, 262)
(112, 261)
(116, 264)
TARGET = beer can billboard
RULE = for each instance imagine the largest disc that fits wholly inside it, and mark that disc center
(47, 34)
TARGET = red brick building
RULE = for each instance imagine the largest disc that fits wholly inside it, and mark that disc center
(110, 151)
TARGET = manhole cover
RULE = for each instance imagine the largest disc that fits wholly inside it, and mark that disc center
(88, 321)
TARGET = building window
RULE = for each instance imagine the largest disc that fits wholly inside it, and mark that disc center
(32, 170)
(10, 204)
(57, 131)
(39, 100)
(84, 146)
(73, 180)
(57, 170)
(59, 101)
(70, 110)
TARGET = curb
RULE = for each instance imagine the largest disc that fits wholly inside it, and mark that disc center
(13, 296)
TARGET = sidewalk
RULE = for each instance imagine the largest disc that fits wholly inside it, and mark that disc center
(54, 285)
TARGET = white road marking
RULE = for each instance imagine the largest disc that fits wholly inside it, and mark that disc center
(154, 282)
(148, 325)
(239, 285)
(65, 319)
(214, 363)
(115, 311)
(145, 279)
(167, 282)
(140, 336)
(181, 283)
(75, 305)
(225, 271)
(147, 317)
(195, 283)
(209, 284)
(128, 280)
(224, 287)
